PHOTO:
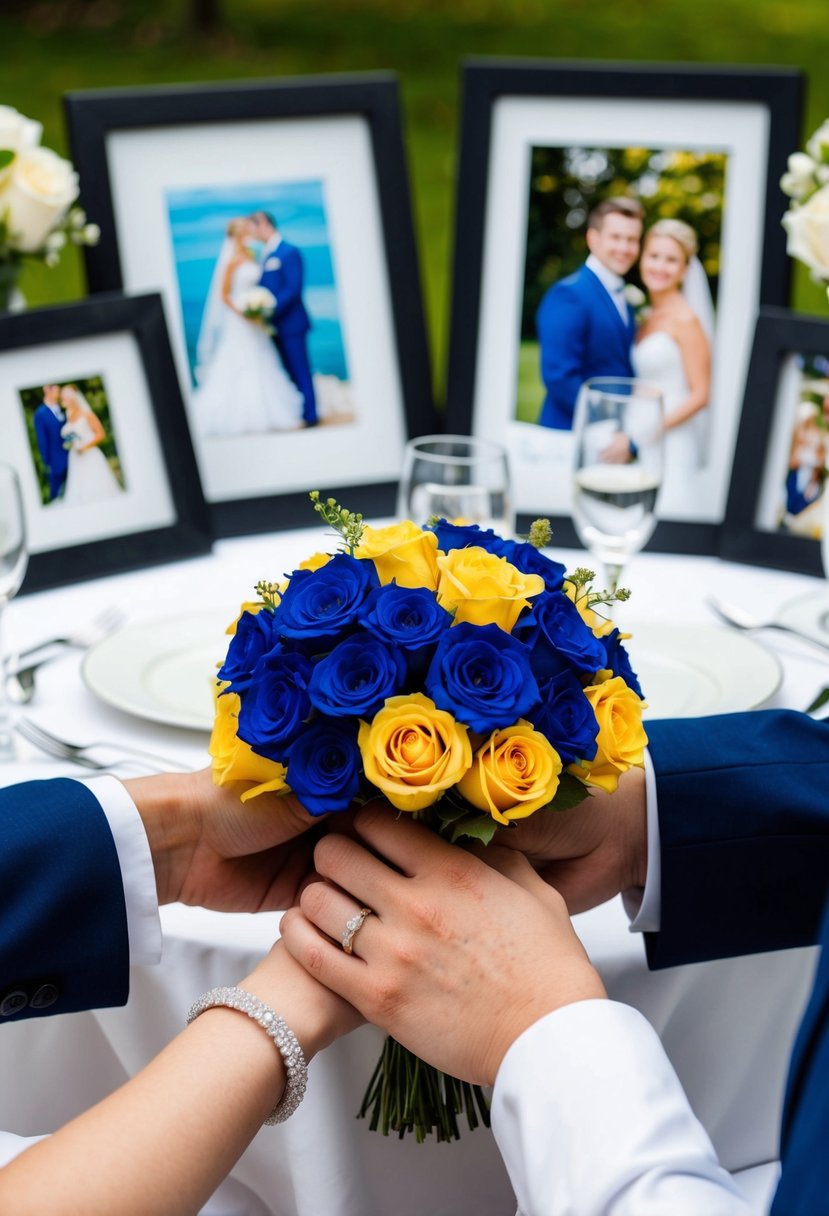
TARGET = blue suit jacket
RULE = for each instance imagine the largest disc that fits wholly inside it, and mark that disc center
(744, 841)
(47, 431)
(581, 334)
(282, 274)
(63, 921)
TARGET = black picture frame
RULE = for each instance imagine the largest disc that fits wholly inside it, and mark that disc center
(96, 117)
(765, 440)
(140, 379)
(487, 83)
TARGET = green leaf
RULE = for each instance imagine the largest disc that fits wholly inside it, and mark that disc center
(6, 157)
(570, 793)
(820, 700)
(477, 827)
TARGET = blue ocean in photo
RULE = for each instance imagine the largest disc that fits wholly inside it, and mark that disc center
(198, 220)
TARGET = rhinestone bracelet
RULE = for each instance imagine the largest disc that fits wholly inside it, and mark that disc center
(277, 1028)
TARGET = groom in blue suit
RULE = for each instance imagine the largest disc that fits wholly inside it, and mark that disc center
(585, 327)
(282, 275)
(49, 418)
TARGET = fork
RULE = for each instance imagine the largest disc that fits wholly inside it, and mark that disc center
(738, 618)
(83, 638)
(78, 753)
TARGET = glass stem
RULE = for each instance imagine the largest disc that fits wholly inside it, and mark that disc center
(7, 750)
(612, 574)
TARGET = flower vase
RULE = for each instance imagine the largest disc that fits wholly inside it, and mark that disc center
(11, 298)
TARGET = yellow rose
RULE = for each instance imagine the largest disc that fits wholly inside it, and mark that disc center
(515, 773)
(412, 751)
(402, 554)
(251, 606)
(484, 589)
(807, 227)
(600, 625)
(315, 562)
(233, 760)
(621, 741)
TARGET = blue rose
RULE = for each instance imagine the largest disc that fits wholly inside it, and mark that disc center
(559, 638)
(323, 604)
(566, 718)
(254, 636)
(276, 704)
(482, 676)
(324, 766)
(529, 560)
(411, 617)
(618, 660)
(461, 536)
(357, 677)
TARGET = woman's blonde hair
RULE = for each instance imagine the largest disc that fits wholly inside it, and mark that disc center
(679, 231)
(235, 226)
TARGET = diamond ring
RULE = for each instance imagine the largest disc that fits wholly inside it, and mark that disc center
(352, 927)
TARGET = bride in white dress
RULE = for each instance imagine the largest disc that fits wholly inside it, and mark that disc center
(673, 346)
(242, 389)
(88, 476)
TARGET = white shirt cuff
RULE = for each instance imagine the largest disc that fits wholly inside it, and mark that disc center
(590, 1117)
(137, 873)
(644, 906)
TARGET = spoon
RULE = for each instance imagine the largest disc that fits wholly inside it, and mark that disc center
(738, 618)
(20, 684)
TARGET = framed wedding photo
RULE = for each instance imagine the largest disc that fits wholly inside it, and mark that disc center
(274, 218)
(95, 426)
(560, 159)
(777, 501)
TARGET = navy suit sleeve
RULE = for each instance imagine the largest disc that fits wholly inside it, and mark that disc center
(63, 921)
(744, 834)
(291, 286)
(562, 325)
(43, 439)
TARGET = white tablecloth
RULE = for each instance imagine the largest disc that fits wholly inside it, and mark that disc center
(728, 1026)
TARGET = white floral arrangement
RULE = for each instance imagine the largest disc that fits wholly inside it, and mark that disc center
(806, 182)
(259, 305)
(37, 192)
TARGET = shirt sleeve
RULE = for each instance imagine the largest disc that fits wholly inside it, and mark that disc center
(590, 1117)
(137, 873)
(643, 905)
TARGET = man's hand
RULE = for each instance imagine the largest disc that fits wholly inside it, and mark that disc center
(592, 852)
(211, 849)
(618, 451)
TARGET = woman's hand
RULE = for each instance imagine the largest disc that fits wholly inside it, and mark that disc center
(461, 954)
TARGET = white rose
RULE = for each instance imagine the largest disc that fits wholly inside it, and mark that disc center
(41, 188)
(808, 233)
(634, 296)
(17, 133)
(818, 145)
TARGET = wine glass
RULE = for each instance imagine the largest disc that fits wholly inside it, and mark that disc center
(456, 477)
(13, 561)
(618, 438)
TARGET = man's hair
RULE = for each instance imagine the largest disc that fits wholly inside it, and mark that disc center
(264, 215)
(615, 206)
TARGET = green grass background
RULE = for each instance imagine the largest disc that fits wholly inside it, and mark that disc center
(50, 46)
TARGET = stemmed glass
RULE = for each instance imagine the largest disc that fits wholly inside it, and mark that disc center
(456, 477)
(13, 561)
(618, 439)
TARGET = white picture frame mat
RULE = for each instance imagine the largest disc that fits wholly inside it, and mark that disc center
(146, 163)
(541, 459)
(146, 502)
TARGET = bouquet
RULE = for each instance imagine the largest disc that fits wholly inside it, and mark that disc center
(37, 190)
(465, 677)
(259, 305)
(806, 182)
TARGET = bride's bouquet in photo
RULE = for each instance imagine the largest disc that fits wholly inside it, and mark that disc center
(465, 677)
(259, 305)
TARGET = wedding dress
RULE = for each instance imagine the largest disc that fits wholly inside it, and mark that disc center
(243, 388)
(657, 360)
(88, 476)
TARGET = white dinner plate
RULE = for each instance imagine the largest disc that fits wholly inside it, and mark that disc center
(161, 670)
(692, 670)
(808, 613)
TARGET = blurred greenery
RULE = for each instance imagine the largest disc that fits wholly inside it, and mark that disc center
(50, 46)
(93, 389)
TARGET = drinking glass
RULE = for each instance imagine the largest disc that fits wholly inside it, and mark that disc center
(618, 443)
(456, 478)
(13, 561)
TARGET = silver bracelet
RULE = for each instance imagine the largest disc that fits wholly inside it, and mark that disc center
(278, 1029)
